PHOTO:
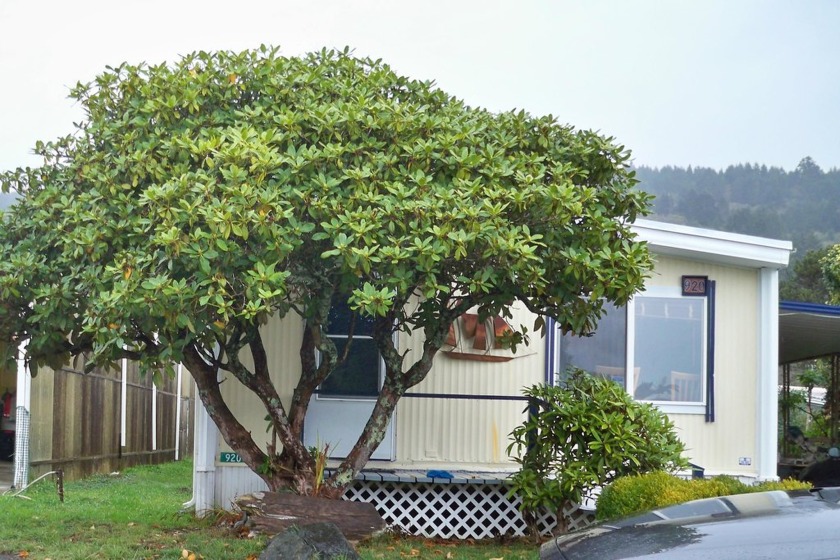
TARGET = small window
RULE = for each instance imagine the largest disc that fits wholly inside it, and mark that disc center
(360, 373)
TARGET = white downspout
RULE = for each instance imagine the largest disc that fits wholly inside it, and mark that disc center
(23, 402)
(768, 375)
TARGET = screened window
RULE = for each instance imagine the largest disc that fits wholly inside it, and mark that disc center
(359, 374)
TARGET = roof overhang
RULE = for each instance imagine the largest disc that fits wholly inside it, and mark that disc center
(713, 246)
(807, 331)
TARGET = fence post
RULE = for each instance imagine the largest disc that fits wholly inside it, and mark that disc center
(59, 484)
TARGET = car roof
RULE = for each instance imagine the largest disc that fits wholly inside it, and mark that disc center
(767, 525)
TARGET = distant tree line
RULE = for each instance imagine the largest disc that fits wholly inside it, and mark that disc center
(802, 205)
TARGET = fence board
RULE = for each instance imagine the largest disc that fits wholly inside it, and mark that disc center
(84, 427)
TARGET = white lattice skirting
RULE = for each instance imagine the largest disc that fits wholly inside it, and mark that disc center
(453, 510)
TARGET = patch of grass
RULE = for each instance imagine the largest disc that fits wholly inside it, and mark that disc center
(133, 515)
(137, 515)
(400, 547)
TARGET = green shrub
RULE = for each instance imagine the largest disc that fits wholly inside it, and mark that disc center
(587, 433)
(634, 494)
(786, 484)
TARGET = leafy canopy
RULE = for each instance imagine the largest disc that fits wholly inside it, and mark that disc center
(197, 199)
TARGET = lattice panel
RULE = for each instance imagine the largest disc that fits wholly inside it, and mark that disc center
(578, 518)
(453, 511)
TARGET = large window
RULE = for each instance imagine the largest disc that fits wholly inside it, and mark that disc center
(662, 334)
(359, 374)
(669, 348)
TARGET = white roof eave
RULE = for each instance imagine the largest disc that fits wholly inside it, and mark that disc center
(713, 246)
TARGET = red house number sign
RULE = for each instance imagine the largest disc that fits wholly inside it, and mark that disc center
(694, 285)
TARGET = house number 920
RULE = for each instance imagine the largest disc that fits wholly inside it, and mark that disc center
(694, 285)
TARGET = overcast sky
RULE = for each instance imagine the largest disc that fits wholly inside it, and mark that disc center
(704, 83)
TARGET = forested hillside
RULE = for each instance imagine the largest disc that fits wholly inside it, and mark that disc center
(802, 205)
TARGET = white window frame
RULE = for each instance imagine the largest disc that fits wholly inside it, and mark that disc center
(669, 407)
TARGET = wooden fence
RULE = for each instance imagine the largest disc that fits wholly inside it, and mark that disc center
(78, 425)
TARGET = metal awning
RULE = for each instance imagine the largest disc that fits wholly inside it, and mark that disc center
(807, 331)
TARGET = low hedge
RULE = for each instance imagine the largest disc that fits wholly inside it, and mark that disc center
(635, 494)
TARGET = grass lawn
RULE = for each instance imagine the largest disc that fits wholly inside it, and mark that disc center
(137, 514)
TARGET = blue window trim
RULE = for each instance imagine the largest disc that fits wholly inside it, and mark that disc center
(710, 351)
(551, 342)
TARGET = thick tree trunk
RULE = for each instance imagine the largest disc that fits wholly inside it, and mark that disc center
(294, 467)
(295, 471)
(239, 439)
(397, 382)
(369, 440)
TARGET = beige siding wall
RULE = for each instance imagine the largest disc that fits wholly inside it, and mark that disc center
(469, 434)
(232, 481)
(282, 340)
(474, 434)
(718, 446)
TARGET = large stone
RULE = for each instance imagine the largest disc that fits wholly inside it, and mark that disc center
(316, 541)
(273, 512)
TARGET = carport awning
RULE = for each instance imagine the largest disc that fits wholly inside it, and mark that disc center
(807, 331)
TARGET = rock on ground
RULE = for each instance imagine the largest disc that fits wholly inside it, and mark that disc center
(316, 541)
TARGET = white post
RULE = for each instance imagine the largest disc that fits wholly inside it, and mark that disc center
(768, 374)
(23, 403)
(123, 400)
(204, 460)
(154, 414)
(178, 412)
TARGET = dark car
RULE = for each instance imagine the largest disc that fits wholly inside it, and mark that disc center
(801, 525)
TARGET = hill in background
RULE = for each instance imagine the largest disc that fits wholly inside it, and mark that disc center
(802, 205)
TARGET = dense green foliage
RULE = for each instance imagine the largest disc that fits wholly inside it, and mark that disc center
(805, 281)
(638, 493)
(812, 420)
(585, 434)
(200, 199)
(831, 273)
